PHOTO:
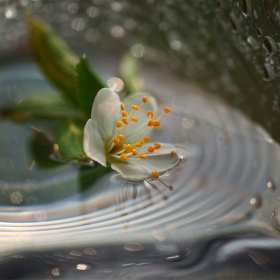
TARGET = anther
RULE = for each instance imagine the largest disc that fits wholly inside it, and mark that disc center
(138, 144)
(143, 156)
(124, 113)
(135, 107)
(116, 140)
(172, 153)
(150, 123)
(122, 106)
(150, 114)
(157, 145)
(119, 124)
(123, 156)
(155, 174)
(151, 149)
(121, 137)
(147, 139)
(134, 152)
(125, 120)
(125, 146)
(145, 99)
(156, 123)
(134, 119)
(166, 110)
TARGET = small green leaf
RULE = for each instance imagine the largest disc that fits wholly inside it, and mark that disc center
(129, 69)
(55, 58)
(87, 85)
(43, 107)
(69, 138)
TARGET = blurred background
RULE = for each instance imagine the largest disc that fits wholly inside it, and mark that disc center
(216, 64)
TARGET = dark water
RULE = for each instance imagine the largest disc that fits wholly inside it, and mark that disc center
(220, 221)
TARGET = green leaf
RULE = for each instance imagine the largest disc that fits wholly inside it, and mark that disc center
(87, 85)
(42, 107)
(129, 69)
(42, 149)
(55, 58)
(69, 138)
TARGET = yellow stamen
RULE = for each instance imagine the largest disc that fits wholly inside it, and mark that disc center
(166, 110)
(121, 137)
(123, 156)
(119, 124)
(151, 149)
(172, 153)
(147, 139)
(125, 146)
(150, 114)
(125, 120)
(129, 147)
(150, 123)
(134, 152)
(134, 119)
(156, 123)
(124, 113)
(116, 140)
(155, 174)
(143, 156)
(157, 145)
(135, 107)
(122, 106)
(145, 99)
(138, 144)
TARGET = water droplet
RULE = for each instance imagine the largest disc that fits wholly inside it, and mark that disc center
(235, 22)
(82, 266)
(55, 271)
(253, 42)
(92, 35)
(84, 161)
(16, 197)
(271, 185)
(173, 258)
(188, 122)
(271, 141)
(73, 8)
(78, 24)
(117, 31)
(246, 7)
(90, 251)
(269, 72)
(116, 7)
(259, 31)
(30, 185)
(75, 253)
(92, 11)
(175, 45)
(11, 12)
(270, 45)
(138, 50)
(133, 246)
(255, 14)
(115, 84)
(256, 201)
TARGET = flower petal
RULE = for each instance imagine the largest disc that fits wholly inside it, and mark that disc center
(137, 169)
(132, 130)
(93, 144)
(105, 112)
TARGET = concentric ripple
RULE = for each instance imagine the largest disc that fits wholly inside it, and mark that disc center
(224, 183)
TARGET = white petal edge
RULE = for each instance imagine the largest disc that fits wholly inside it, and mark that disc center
(105, 112)
(93, 144)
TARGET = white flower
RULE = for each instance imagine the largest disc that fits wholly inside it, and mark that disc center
(118, 134)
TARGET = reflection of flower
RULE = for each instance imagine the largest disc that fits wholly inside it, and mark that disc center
(118, 134)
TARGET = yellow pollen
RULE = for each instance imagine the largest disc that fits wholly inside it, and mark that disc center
(155, 174)
(172, 153)
(150, 114)
(156, 123)
(124, 113)
(119, 124)
(135, 107)
(166, 110)
(143, 156)
(138, 144)
(122, 106)
(121, 137)
(125, 146)
(134, 119)
(142, 141)
(157, 145)
(150, 123)
(145, 99)
(134, 152)
(129, 147)
(151, 149)
(123, 156)
(147, 139)
(125, 120)
(116, 140)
